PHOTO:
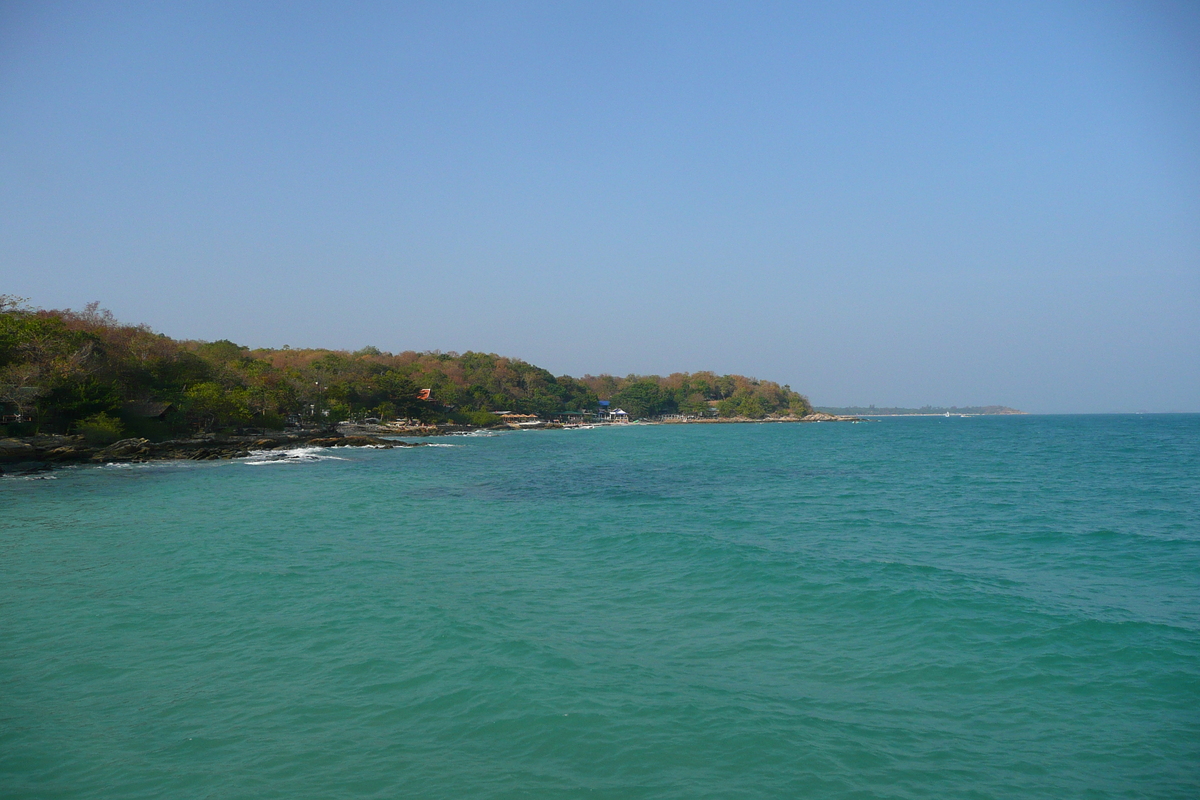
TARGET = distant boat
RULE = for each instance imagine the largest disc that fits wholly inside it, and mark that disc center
(947, 413)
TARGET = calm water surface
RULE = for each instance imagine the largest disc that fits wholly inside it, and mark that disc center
(909, 608)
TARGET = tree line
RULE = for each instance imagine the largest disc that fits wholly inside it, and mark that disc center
(84, 371)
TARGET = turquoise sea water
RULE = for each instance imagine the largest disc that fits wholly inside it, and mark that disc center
(909, 608)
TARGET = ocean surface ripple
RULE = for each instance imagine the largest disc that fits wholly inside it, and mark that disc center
(994, 607)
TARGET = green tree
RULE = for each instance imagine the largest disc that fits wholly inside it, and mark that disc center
(751, 406)
(100, 429)
(643, 398)
(221, 351)
(212, 406)
(728, 407)
(694, 404)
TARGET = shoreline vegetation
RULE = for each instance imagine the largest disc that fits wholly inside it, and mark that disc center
(82, 387)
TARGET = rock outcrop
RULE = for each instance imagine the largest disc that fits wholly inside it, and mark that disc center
(36, 453)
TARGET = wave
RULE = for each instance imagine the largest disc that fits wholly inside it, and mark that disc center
(301, 455)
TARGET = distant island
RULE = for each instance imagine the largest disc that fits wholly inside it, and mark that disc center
(892, 411)
(84, 374)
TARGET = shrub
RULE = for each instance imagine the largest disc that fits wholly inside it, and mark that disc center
(100, 429)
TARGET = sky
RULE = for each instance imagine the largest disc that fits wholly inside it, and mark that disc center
(893, 203)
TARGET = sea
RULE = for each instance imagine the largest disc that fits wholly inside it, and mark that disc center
(982, 607)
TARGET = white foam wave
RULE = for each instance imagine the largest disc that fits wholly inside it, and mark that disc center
(301, 455)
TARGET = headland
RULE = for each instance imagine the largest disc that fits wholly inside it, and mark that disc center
(82, 387)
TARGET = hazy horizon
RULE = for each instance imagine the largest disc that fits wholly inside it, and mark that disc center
(899, 205)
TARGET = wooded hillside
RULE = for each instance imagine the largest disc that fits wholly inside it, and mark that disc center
(83, 371)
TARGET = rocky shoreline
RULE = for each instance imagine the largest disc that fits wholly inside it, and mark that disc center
(816, 416)
(442, 430)
(31, 454)
(39, 453)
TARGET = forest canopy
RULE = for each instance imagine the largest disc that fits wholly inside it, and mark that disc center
(84, 371)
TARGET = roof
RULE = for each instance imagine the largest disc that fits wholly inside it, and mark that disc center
(148, 409)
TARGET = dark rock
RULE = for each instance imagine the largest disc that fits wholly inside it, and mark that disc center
(68, 453)
(358, 441)
(26, 467)
(124, 450)
(57, 450)
(15, 450)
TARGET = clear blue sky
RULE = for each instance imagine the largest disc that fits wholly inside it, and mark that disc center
(890, 203)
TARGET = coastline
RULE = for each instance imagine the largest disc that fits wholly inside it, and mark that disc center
(816, 416)
(541, 425)
(32, 454)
